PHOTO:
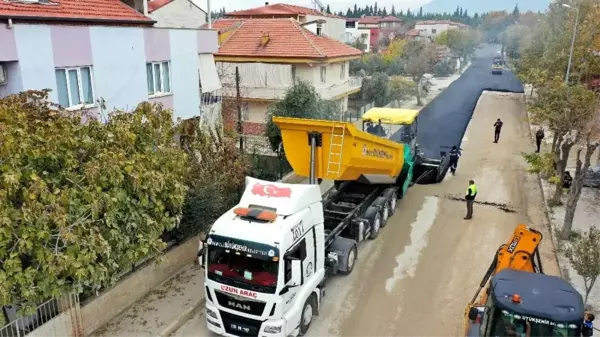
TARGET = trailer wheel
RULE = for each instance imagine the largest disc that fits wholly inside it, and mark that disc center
(384, 203)
(392, 195)
(374, 214)
(308, 312)
(350, 261)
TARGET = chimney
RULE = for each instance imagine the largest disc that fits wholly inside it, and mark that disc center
(145, 7)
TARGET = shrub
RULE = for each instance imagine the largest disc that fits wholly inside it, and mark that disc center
(443, 69)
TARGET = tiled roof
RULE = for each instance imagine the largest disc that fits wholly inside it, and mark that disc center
(286, 39)
(378, 19)
(79, 10)
(440, 22)
(279, 10)
(413, 32)
(223, 23)
(156, 4)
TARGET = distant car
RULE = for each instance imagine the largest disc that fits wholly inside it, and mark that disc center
(498, 65)
(497, 69)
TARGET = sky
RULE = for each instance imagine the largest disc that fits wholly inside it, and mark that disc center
(336, 5)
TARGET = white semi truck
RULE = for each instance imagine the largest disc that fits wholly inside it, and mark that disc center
(267, 259)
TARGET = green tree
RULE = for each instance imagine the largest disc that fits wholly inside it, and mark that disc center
(568, 111)
(591, 135)
(328, 10)
(81, 202)
(401, 89)
(211, 190)
(583, 252)
(420, 58)
(300, 101)
(376, 89)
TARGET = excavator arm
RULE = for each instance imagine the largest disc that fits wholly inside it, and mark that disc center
(520, 253)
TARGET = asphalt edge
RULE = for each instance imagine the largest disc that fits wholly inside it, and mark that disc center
(187, 315)
(563, 272)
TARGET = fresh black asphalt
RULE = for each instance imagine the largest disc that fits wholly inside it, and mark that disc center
(442, 122)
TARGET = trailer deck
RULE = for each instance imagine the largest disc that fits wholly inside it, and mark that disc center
(345, 205)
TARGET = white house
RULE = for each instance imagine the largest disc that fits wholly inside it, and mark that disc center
(433, 27)
(353, 33)
(171, 13)
(270, 56)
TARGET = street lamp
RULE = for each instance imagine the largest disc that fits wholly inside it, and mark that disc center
(572, 42)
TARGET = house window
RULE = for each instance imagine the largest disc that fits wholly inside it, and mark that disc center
(74, 87)
(159, 78)
(319, 29)
(343, 72)
(323, 74)
(294, 74)
(433, 30)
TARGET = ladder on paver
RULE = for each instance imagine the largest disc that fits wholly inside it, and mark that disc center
(336, 148)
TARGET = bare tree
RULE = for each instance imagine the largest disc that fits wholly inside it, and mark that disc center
(591, 134)
(420, 58)
(583, 252)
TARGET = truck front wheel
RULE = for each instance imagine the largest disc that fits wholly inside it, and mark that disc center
(308, 312)
(350, 261)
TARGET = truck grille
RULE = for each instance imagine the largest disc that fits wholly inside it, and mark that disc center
(240, 326)
(246, 306)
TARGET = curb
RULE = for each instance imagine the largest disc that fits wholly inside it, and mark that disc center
(183, 318)
(563, 272)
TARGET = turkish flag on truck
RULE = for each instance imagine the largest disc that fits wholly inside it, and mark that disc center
(270, 190)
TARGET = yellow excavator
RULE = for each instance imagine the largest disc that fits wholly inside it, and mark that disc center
(519, 299)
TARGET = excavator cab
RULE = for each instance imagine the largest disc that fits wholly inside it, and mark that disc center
(528, 304)
(519, 299)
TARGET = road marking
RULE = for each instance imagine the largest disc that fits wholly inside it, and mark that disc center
(407, 262)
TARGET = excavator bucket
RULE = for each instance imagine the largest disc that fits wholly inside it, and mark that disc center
(345, 153)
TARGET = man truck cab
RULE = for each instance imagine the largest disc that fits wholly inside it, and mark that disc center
(264, 262)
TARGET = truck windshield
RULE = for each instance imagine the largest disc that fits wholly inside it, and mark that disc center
(236, 268)
(511, 324)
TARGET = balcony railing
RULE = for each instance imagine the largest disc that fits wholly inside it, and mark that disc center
(270, 93)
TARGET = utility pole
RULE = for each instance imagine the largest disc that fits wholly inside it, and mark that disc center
(572, 43)
(238, 104)
(209, 19)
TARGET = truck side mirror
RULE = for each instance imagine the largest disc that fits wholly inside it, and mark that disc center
(296, 273)
(201, 250)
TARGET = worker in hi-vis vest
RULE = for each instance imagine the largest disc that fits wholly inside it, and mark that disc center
(470, 198)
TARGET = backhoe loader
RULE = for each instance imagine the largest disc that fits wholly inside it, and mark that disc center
(519, 299)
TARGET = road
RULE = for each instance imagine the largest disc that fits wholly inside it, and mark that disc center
(444, 120)
(419, 274)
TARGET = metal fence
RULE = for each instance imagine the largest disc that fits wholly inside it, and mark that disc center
(355, 115)
(258, 145)
(59, 317)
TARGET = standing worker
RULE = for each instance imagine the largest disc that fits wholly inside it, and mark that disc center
(497, 129)
(539, 135)
(470, 198)
(454, 156)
